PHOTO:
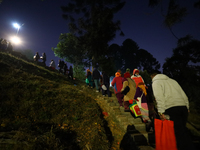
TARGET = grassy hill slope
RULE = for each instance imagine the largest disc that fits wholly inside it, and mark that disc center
(44, 110)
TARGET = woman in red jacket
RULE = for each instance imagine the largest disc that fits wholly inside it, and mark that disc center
(117, 83)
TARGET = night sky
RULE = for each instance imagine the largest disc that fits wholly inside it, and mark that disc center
(43, 23)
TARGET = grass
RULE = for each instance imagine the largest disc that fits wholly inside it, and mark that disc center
(47, 111)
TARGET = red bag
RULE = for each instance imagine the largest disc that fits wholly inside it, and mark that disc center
(164, 135)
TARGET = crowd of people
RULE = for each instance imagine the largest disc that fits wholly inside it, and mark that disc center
(170, 98)
(63, 68)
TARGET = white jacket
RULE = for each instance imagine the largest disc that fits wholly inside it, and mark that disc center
(168, 93)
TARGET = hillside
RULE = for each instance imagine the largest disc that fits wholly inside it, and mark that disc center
(41, 109)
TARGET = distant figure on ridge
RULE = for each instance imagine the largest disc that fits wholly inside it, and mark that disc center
(44, 58)
(36, 57)
(65, 68)
(60, 65)
(70, 74)
(52, 65)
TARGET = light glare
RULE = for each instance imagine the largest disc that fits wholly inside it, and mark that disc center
(16, 25)
(16, 40)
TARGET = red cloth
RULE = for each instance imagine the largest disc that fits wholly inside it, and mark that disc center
(137, 80)
(164, 135)
(117, 83)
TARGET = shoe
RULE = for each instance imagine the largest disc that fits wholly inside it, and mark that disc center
(97, 91)
(103, 95)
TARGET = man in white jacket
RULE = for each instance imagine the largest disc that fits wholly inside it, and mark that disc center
(172, 100)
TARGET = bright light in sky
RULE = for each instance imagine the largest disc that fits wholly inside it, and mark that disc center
(16, 40)
(16, 25)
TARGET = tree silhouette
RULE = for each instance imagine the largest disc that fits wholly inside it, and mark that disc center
(129, 55)
(95, 26)
(184, 67)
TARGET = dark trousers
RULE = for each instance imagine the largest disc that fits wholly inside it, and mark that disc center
(179, 115)
(120, 97)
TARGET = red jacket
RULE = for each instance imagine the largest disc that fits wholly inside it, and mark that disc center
(117, 83)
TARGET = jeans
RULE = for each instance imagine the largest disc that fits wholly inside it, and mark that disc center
(96, 82)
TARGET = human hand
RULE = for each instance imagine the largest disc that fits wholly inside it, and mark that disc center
(162, 117)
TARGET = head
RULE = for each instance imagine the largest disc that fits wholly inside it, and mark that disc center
(127, 75)
(88, 70)
(154, 73)
(128, 70)
(135, 72)
(117, 74)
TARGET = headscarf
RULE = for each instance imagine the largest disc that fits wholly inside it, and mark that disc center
(117, 74)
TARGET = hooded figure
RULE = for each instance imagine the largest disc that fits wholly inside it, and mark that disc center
(136, 77)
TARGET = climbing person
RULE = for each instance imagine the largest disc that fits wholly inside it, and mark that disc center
(141, 98)
(71, 73)
(88, 80)
(60, 65)
(106, 83)
(96, 77)
(172, 101)
(128, 94)
(44, 58)
(65, 68)
(137, 77)
(36, 57)
(117, 84)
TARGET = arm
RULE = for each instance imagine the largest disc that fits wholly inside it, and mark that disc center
(159, 96)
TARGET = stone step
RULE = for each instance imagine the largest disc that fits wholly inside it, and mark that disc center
(122, 118)
(143, 138)
(134, 120)
(137, 127)
(113, 108)
(116, 112)
(112, 104)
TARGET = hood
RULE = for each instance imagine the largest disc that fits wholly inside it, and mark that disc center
(160, 77)
(135, 70)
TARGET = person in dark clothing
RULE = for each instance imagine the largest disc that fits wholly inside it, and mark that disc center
(60, 65)
(65, 69)
(106, 82)
(96, 77)
(44, 58)
(70, 75)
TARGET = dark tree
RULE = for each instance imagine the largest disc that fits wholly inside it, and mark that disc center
(129, 55)
(184, 67)
(95, 26)
(147, 61)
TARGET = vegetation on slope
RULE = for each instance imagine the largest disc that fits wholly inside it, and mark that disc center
(46, 110)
